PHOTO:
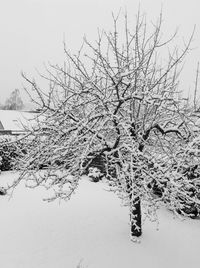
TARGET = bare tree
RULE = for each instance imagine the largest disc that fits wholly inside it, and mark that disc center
(117, 98)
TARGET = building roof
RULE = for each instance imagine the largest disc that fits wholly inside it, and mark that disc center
(15, 121)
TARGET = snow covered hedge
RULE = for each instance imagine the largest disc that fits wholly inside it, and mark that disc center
(9, 151)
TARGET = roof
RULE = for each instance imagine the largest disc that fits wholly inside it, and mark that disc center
(15, 120)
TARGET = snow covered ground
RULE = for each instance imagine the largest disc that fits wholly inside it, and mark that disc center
(91, 229)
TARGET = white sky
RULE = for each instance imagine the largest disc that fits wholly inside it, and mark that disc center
(31, 31)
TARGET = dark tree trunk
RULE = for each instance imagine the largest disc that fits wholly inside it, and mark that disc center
(135, 217)
(135, 213)
(135, 204)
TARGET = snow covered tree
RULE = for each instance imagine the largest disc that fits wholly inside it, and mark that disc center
(117, 98)
(14, 102)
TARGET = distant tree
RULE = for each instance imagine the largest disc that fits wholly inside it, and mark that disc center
(14, 102)
(119, 99)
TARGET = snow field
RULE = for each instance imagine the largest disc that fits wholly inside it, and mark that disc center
(91, 229)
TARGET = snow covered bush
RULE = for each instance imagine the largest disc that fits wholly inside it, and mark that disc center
(117, 98)
(187, 160)
(8, 152)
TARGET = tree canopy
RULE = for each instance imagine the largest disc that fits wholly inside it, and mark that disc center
(14, 102)
(119, 98)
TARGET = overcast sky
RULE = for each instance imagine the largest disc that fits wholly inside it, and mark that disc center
(32, 31)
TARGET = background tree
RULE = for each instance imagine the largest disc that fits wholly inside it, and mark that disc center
(117, 98)
(14, 102)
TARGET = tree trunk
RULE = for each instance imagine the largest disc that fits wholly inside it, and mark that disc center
(135, 217)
